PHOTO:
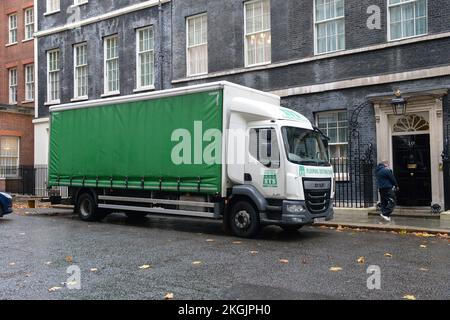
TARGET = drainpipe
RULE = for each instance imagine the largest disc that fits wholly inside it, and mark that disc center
(161, 54)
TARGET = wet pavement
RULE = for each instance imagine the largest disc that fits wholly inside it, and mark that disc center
(428, 224)
(193, 259)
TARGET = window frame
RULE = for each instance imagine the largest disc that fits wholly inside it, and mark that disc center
(273, 131)
(29, 85)
(12, 30)
(57, 71)
(12, 86)
(344, 175)
(28, 23)
(389, 6)
(79, 2)
(76, 96)
(55, 6)
(139, 85)
(316, 33)
(13, 168)
(106, 91)
(188, 60)
(267, 62)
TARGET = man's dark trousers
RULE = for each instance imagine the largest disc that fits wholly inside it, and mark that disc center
(388, 201)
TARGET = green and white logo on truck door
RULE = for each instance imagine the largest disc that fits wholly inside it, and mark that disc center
(270, 179)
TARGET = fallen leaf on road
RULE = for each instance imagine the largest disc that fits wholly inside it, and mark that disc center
(254, 252)
(12, 264)
(409, 297)
(196, 263)
(423, 269)
(424, 234)
(69, 259)
(94, 269)
(237, 242)
(168, 296)
(145, 266)
(423, 246)
(48, 263)
(403, 232)
(284, 260)
(335, 269)
(53, 289)
(361, 260)
(209, 240)
(388, 255)
(339, 228)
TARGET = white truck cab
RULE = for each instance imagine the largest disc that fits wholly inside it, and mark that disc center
(287, 172)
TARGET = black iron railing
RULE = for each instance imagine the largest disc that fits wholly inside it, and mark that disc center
(25, 180)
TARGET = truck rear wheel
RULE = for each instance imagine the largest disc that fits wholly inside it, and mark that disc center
(87, 208)
(244, 220)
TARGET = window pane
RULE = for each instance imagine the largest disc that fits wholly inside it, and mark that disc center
(408, 19)
(258, 36)
(197, 59)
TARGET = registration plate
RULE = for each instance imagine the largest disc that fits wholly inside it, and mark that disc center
(319, 220)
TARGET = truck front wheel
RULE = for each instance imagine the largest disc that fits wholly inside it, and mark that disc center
(244, 219)
(87, 208)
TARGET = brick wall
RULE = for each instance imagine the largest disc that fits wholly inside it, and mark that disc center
(19, 125)
(15, 56)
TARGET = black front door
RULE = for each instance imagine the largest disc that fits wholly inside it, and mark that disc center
(412, 169)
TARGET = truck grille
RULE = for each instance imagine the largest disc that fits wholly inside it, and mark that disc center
(317, 195)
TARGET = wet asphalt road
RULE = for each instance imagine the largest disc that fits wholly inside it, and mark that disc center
(34, 251)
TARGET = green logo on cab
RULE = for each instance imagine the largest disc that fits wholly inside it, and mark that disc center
(270, 179)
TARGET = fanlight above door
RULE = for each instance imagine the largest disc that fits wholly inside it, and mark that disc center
(411, 123)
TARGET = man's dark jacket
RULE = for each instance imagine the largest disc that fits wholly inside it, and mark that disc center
(385, 177)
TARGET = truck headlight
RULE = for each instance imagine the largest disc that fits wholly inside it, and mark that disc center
(295, 208)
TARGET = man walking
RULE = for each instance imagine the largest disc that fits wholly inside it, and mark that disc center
(386, 185)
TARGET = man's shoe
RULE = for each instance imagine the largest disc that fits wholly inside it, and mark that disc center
(386, 218)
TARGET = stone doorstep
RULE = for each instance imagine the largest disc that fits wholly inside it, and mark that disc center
(445, 216)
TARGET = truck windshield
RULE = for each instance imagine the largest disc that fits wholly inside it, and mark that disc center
(305, 147)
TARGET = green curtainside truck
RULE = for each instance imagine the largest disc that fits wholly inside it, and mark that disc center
(217, 151)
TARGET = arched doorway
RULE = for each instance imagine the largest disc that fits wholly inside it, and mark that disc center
(420, 133)
(411, 160)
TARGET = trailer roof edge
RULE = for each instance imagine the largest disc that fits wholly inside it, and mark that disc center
(154, 95)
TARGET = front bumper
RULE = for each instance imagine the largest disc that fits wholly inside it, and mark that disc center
(6, 210)
(299, 218)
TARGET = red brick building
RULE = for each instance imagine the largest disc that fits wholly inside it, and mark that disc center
(17, 73)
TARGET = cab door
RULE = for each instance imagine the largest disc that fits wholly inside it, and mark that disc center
(263, 168)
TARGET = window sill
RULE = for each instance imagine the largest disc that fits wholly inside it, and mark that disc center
(77, 99)
(196, 75)
(11, 44)
(258, 64)
(27, 101)
(51, 12)
(52, 103)
(327, 52)
(12, 103)
(78, 4)
(144, 89)
(110, 94)
(27, 40)
(407, 38)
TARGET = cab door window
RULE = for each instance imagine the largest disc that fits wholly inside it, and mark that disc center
(263, 145)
